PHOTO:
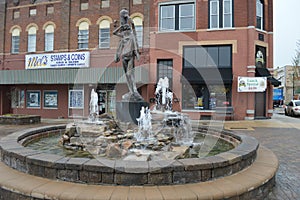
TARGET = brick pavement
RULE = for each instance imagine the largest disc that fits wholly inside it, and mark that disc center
(280, 134)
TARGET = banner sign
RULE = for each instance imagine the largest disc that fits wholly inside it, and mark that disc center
(57, 60)
(252, 84)
(278, 94)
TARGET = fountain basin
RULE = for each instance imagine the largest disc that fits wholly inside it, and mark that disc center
(121, 172)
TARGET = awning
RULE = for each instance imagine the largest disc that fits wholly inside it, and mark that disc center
(264, 72)
(71, 76)
(208, 75)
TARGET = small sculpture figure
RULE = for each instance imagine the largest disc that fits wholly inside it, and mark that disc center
(94, 104)
(128, 50)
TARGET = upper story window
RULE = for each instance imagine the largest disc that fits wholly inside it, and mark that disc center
(50, 9)
(138, 22)
(104, 3)
(259, 14)
(83, 35)
(16, 14)
(220, 14)
(31, 47)
(15, 40)
(32, 11)
(175, 17)
(84, 4)
(49, 38)
(135, 2)
(104, 34)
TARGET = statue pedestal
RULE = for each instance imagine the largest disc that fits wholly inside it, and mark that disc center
(129, 111)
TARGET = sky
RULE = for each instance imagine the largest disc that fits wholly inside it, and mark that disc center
(286, 30)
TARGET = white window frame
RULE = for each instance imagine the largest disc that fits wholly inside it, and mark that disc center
(31, 41)
(190, 16)
(260, 6)
(211, 14)
(49, 38)
(83, 35)
(15, 41)
(229, 14)
(167, 18)
(104, 42)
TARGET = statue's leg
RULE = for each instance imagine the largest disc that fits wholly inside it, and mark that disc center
(131, 74)
(127, 71)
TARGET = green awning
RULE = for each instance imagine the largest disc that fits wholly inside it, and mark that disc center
(71, 76)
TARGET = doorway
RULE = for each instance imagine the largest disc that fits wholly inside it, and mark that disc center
(260, 105)
(107, 101)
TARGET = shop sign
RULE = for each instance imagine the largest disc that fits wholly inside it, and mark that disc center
(252, 84)
(57, 60)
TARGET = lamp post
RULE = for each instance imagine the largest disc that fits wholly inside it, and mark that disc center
(293, 85)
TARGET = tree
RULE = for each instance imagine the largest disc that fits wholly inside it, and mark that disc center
(295, 64)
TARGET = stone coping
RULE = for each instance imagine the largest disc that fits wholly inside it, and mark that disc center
(19, 119)
(254, 182)
(119, 172)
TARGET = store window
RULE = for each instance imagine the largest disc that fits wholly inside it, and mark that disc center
(104, 34)
(83, 35)
(177, 17)
(207, 78)
(49, 38)
(165, 69)
(17, 98)
(220, 14)
(259, 14)
(15, 41)
(31, 46)
(138, 22)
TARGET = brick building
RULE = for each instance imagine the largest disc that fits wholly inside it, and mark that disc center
(205, 47)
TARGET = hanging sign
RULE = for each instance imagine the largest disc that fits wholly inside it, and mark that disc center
(252, 84)
(57, 60)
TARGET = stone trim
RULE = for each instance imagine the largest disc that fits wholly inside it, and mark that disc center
(105, 171)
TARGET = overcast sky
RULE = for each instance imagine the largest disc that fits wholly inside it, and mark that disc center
(286, 30)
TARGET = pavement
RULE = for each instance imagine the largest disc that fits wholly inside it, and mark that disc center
(281, 134)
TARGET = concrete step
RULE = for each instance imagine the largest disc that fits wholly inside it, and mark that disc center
(253, 182)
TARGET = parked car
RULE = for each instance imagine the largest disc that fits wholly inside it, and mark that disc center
(292, 108)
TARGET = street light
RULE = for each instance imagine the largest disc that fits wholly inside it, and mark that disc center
(293, 85)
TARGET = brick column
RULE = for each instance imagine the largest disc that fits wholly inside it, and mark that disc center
(2, 31)
(250, 96)
(64, 43)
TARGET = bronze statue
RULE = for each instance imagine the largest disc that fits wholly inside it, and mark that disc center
(128, 50)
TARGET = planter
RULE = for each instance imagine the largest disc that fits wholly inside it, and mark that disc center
(19, 119)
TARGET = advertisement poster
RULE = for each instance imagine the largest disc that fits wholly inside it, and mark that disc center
(252, 84)
(33, 99)
(57, 60)
(50, 99)
(76, 99)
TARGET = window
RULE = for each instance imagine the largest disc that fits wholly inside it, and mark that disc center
(220, 14)
(138, 22)
(83, 35)
(165, 69)
(104, 34)
(259, 14)
(84, 4)
(16, 14)
(15, 41)
(208, 77)
(135, 2)
(209, 56)
(31, 47)
(17, 98)
(32, 12)
(104, 3)
(177, 17)
(50, 9)
(49, 38)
